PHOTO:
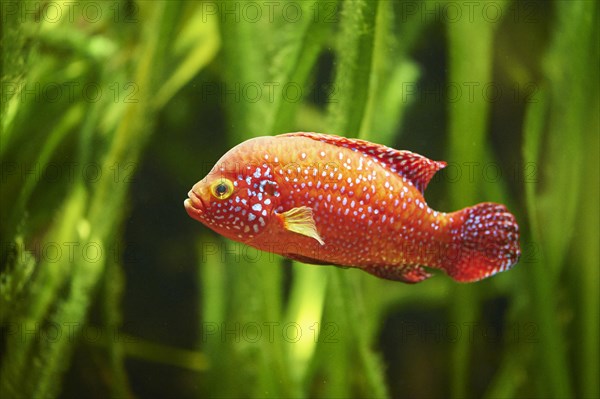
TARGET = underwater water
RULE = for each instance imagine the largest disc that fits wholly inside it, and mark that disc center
(112, 110)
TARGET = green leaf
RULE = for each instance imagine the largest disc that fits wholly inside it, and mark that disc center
(355, 47)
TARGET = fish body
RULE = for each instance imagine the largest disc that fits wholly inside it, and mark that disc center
(325, 199)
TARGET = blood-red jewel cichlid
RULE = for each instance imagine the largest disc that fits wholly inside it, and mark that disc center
(325, 199)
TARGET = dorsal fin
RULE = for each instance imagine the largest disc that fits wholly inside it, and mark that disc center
(414, 167)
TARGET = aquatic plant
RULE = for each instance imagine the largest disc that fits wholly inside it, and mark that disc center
(108, 118)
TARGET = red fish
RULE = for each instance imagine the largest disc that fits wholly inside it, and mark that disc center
(325, 199)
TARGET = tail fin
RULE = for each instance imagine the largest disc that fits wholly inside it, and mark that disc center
(486, 240)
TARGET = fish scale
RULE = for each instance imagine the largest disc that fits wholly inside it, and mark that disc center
(326, 199)
(351, 201)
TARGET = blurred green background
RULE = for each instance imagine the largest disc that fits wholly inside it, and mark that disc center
(112, 110)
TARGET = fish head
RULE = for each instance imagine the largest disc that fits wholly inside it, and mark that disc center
(238, 196)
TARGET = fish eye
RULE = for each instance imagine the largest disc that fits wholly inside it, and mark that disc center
(222, 188)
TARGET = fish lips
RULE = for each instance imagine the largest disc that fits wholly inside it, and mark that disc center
(194, 205)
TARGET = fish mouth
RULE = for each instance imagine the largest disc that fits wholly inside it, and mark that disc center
(194, 205)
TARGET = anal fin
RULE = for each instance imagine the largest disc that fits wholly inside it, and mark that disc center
(409, 274)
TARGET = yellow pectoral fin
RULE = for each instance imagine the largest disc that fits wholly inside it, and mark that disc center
(300, 220)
